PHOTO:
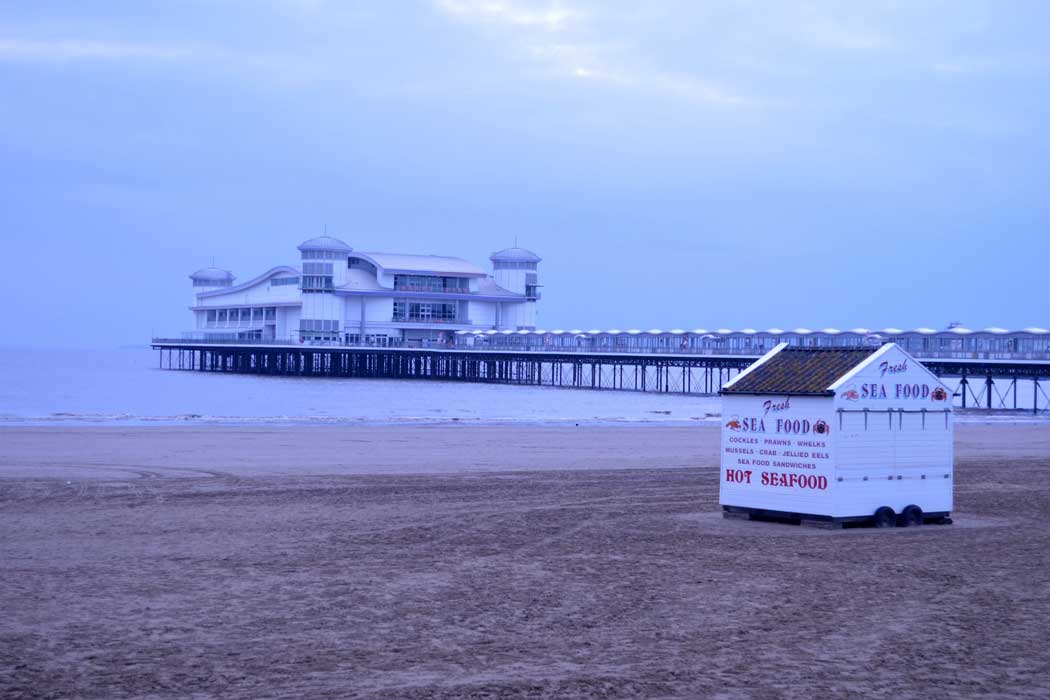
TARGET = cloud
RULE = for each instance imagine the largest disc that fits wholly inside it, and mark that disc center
(613, 66)
(574, 55)
(997, 65)
(261, 68)
(65, 50)
(830, 33)
(553, 16)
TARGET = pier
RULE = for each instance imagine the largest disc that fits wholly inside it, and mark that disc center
(626, 372)
(990, 384)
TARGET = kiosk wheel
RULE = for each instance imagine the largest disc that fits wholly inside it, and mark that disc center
(885, 517)
(911, 516)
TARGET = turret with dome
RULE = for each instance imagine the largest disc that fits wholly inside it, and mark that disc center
(516, 270)
(514, 255)
(326, 243)
(208, 279)
(212, 277)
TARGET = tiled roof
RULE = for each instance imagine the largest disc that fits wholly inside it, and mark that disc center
(805, 371)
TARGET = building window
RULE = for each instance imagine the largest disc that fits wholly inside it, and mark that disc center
(322, 255)
(317, 283)
(271, 313)
(431, 284)
(425, 312)
(513, 265)
(358, 263)
(284, 281)
(318, 325)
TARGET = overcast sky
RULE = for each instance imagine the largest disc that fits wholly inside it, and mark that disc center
(676, 164)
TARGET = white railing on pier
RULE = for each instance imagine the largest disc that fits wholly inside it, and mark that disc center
(572, 350)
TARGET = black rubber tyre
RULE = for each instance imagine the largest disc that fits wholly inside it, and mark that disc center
(911, 516)
(885, 517)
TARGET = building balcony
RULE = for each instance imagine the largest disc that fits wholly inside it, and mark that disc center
(428, 321)
(430, 290)
(243, 323)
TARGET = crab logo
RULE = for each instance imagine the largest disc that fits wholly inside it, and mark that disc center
(939, 394)
(734, 423)
(821, 428)
(851, 393)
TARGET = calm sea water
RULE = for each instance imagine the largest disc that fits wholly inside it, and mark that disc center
(126, 387)
(122, 387)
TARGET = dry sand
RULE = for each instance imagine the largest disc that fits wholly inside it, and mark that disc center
(309, 563)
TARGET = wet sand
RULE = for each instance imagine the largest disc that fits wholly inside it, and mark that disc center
(527, 562)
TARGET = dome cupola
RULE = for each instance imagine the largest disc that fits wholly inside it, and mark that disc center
(212, 277)
(514, 255)
(325, 244)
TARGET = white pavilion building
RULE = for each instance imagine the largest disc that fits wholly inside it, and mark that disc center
(350, 297)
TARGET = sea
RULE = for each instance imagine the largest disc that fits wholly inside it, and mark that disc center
(127, 387)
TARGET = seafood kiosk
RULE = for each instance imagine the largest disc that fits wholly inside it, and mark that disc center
(831, 436)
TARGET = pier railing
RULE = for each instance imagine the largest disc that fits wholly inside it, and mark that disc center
(581, 350)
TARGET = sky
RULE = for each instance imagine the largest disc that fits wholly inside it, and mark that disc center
(676, 164)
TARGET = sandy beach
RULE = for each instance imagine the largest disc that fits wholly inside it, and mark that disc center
(496, 562)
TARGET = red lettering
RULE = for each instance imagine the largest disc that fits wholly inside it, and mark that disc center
(913, 391)
(802, 481)
(738, 476)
